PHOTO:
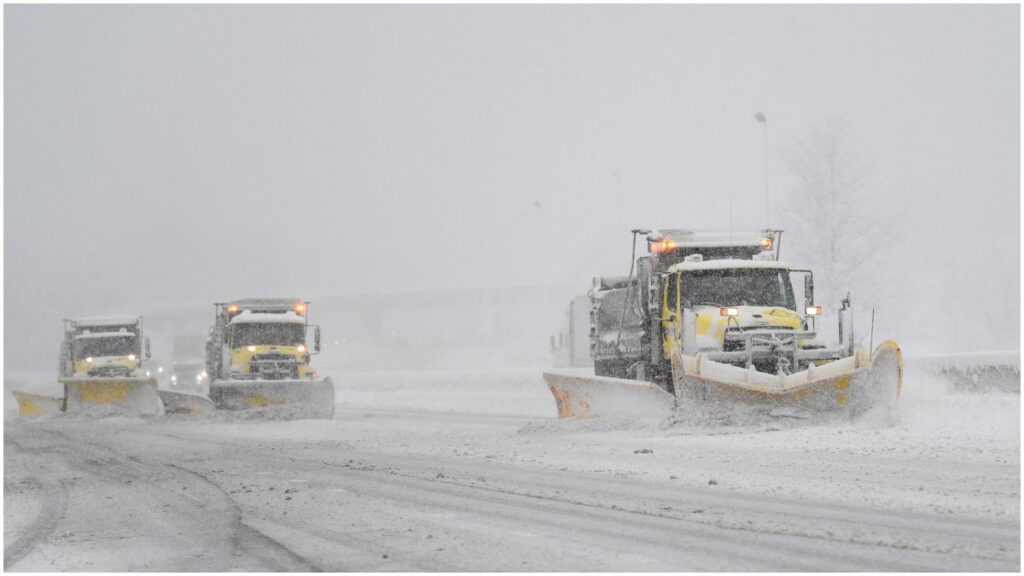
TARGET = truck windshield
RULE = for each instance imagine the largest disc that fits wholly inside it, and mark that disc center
(738, 287)
(271, 333)
(112, 346)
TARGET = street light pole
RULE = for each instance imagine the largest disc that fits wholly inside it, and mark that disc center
(767, 199)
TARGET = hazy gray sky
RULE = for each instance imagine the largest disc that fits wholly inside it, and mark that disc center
(199, 153)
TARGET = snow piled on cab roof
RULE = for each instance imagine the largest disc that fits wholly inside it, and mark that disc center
(727, 263)
(250, 317)
(112, 334)
(105, 320)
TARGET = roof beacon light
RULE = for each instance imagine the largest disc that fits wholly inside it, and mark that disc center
(661, 245)
(729, 311)
(300, 308)
(815, 310)
(766, 243)
(233, 309)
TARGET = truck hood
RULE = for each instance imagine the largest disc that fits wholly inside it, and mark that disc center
(711, 325)
(83, 367)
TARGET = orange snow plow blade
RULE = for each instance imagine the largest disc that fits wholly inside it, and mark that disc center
(37, 405)
(275, 399)
(589, 396)
(112, 396)
(850, 386)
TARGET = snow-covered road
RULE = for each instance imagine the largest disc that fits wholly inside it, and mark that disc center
(472, 472)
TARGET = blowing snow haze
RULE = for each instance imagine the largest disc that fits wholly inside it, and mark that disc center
(161, 156)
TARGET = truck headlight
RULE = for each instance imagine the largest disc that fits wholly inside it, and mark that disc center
(131, 356)
(729, 311)
(251, 348)
(815, 310)
(89, 360)
(301, 348)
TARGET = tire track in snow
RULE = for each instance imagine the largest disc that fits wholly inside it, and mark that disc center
(607, 501)
(181, 516)
(54, 504)
(248, 540)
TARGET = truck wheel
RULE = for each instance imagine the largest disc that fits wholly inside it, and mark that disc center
(661, 374)
(604, 368)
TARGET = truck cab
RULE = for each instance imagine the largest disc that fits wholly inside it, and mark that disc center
(718, 306)
(720, 295)
(267, 339)
(103, 348)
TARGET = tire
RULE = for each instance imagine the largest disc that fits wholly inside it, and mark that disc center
(604, 368)
(661, 374)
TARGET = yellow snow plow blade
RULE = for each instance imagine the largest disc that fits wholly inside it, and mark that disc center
(847, 387)
(851, 386)
(589, 396)
(185, 403)
(112, 396)
(37, 405)
(276, 399)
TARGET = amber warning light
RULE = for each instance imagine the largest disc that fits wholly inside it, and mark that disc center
(662, 246)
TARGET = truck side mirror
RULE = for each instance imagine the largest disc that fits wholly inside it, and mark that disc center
(149, 354)
(808, 290)
(316, 338)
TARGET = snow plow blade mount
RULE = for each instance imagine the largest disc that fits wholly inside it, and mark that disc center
(275, 399)
(111, 396)
(37, 405)
(850, 386)
(588, 396)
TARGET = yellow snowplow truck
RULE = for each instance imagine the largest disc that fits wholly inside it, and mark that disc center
(258, 360)
(712, 319)
(101, 370)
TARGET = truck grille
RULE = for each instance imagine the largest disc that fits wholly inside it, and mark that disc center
(274, 366)
(273, 356)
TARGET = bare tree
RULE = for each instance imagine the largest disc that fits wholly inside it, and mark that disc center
(835, 227)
